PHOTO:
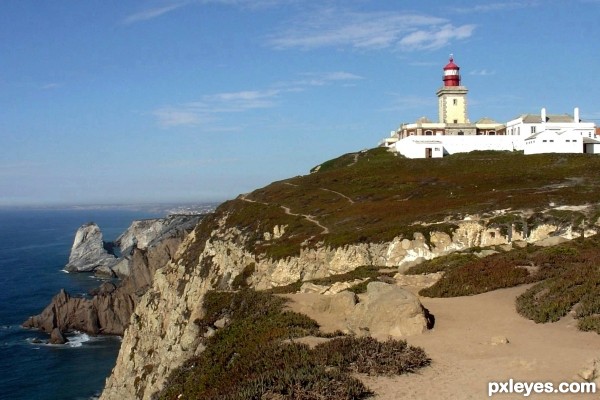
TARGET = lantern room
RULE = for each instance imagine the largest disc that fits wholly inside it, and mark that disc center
(451, 73)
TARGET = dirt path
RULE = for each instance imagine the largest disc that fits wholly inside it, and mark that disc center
(339, 194)
(464, 358)
(309, 218)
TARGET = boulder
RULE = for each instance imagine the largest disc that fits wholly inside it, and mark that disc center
(88, 251)
(388, 310)
(57, 337)
(384, 311)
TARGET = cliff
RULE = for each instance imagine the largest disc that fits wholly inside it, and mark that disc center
(367, 208)
(109, 309)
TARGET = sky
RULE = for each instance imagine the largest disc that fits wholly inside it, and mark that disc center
(122, 101)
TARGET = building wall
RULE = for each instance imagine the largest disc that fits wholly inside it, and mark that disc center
(414, 147)
(418, 149)
(570, 141)
(553, 144)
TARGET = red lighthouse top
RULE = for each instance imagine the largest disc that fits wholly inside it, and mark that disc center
(451, 74)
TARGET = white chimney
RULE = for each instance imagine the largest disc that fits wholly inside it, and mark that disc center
(576, 115)
(543, 115)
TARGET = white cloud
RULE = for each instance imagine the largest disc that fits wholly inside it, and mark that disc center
(203, 111)
(482, 72)
(321, 79)
(151, 13)
(435, 37)
(208, 107)
(332, 27)
(495, 7)
(51, 86)
(177, 116)
(155, 12)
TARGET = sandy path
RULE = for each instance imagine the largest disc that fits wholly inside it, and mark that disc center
(464, 360)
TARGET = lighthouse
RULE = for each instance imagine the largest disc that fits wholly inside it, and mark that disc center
(451, 73)
(452, 97)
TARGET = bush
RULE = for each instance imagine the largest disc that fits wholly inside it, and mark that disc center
(247, 359)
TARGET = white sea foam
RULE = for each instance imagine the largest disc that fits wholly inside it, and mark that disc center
(77, 339)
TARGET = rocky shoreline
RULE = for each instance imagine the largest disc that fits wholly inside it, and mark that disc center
(144, 247)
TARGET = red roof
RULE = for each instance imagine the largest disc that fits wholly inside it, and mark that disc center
(451, 64)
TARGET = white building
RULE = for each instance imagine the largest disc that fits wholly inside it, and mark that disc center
(454, 133)
(548, 133)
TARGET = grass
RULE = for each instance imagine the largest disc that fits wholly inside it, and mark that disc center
(248, 359)
(566, 277)
(389, 193)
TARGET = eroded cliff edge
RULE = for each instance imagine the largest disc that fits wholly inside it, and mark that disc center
(162, 333)
(146, 246)
(367, 208)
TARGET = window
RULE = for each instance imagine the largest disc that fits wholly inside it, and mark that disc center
(460, 133)
(428, 133)
(456, 121)
(551, 141)
(567, 140)
(544, 141)
(455, 102)
(533, 129)
(437, 149)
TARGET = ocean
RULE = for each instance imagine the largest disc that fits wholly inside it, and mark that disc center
(34, 248)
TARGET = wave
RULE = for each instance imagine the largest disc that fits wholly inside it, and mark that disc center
(77, 339)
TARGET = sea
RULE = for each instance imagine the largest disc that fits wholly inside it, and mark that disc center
(34, 248)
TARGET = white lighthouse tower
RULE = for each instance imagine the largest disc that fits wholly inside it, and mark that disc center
(452, 97)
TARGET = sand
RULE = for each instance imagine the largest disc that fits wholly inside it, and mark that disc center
(464, 358)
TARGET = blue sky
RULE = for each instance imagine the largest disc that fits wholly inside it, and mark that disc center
(200, 100)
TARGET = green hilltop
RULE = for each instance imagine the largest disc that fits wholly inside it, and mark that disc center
(375, 195)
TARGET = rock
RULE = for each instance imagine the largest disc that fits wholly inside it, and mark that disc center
(485, 253)
(388, 310)
(57, 337)
(122, 267)
(341, 286)
(339, 304)
(221, 323)
(519, 243)
(418, 281)
(308, 287)
(109, 311)
(104, 271)
(88, 252)
(550, 241)
(591, 372)
(498, 340)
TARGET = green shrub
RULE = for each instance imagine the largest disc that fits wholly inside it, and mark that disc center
(247, 359)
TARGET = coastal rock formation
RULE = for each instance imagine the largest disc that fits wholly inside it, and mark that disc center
(109, 309)
(143, 234)
(89, 251)
(162, 334)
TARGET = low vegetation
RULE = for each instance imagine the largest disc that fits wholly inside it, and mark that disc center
(566, 277)
(367, 272)
(255, 356)
(374, 196)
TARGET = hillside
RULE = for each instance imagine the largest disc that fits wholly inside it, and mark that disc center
(374, 196)
(371, 209)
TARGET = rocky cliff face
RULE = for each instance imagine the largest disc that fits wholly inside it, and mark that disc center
(88, 252)
(109, 309)
(162, 333)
